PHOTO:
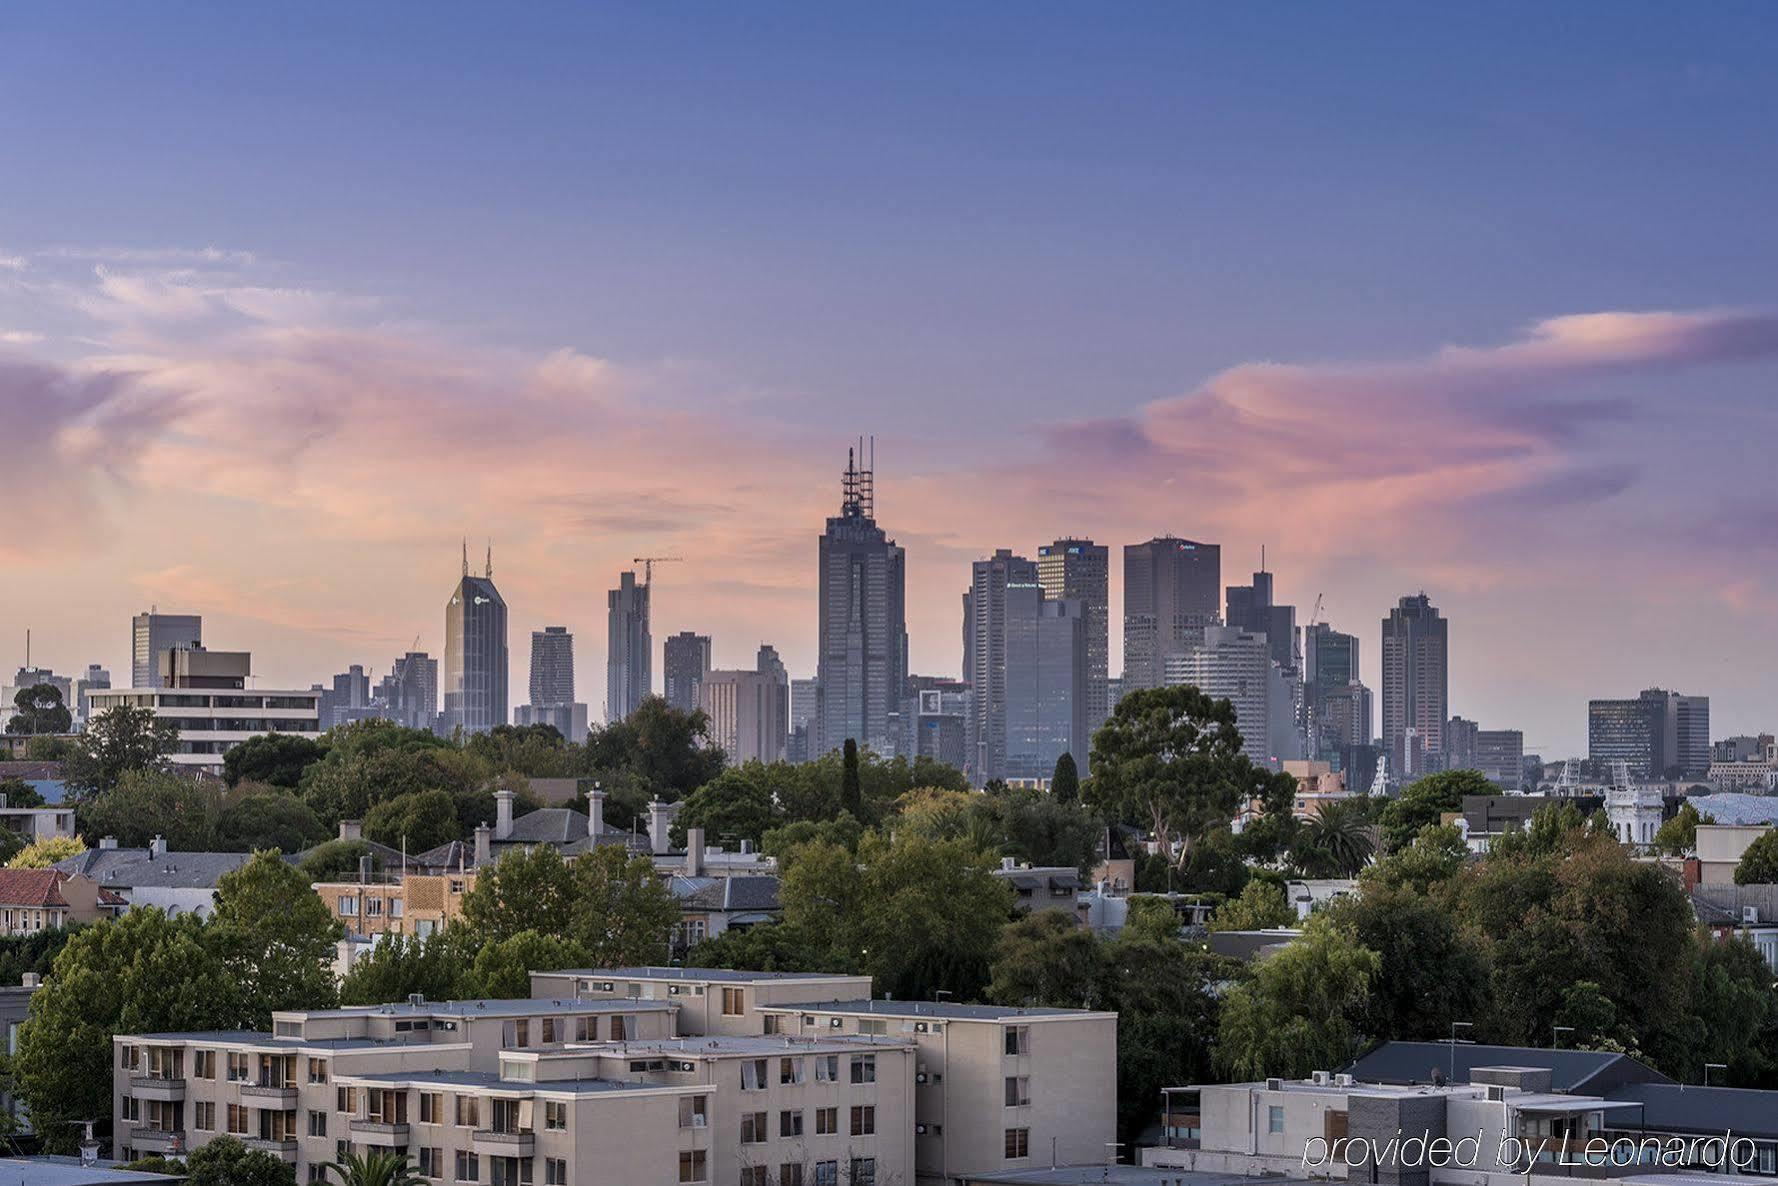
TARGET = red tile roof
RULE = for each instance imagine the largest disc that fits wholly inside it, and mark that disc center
(43, 887)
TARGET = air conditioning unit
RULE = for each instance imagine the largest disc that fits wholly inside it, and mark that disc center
(674, 990)
(922, 1077)
(920, 1027)
(1496, 1093)
(1274, 1085)
(835, 1022)
(1342, 1080)
(1750, 916)
(1323, 1078)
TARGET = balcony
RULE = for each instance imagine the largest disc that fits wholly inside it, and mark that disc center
(488, 1143)
(157, 1140)
(375, 1132)
(156, 1087)
(279, 1097)
(284, 1150)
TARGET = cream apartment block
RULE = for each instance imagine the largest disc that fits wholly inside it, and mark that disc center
(994, 1089)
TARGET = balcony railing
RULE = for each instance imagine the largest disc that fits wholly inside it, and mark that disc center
(377, 1132)
(157, 1140)
(282, 1148)
(156, 1087)
(504, 1144)
(283, 1095)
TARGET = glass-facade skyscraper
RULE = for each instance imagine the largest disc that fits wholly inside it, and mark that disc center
(475, 658)
(629, 653)
(861, 633)
(1080, 570)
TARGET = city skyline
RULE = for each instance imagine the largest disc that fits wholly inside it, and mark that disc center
(1202, 278)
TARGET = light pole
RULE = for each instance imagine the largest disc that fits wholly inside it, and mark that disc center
(1558, 1031)
(1455, 1026)
(1713, 1066)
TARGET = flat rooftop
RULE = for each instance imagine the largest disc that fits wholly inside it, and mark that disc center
(514, 1007)
(67, 1171)
(488, 1081)
(260, 1038)
(694, 975)
(940, 1010)
(1123, 1175)
(755, 1046)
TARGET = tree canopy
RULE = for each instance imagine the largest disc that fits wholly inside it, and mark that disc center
(116, 742)
(39, 709)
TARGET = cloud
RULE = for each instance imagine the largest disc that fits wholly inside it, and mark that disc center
(20, 337)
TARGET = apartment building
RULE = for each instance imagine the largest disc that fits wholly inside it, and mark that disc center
(710, 1001)
(995, 1089)
(417, 904)
(204, 695)
(308, 1091)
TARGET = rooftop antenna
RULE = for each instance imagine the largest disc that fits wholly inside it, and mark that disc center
(466, 555)
(490, 569)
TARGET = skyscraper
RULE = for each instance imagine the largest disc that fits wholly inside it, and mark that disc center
(347, 700)
(408, 695)
(1172, 590)
(1027, 670)
(552, 666)
(1658, 734)
(1080, 570)
(153, 633)
(475, 695)
(1330, 663)
(1236, 665)
(749, 713)
(685, 660)
(1251, 608)
(862, 637)
(629, 671)
(1416, 686)
(96, 678)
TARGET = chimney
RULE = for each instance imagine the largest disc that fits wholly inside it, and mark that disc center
(595, 812)
(31, 980)
(694, 852)
(351, 829)
(503, 814)
(108, 842)
(157, 847)
(483, 850)
(660, 822)
(1008, 864)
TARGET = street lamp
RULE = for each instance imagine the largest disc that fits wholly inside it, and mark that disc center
(1713, 1066)
(1558, 1031)
(1455, 1026)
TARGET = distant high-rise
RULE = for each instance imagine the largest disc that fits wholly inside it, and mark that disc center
(1236, 665)
(861, 634)
(1172, 590)
(805, 718)
(1251, 608)
(1027, 670)
(348, 699)
(1658, 734)
(408, 695)
(1080, 570)
(96, 677)
(685, 660)
(1500, 755)
(1416, 686)
(154, 633)
(629, 658)
(748, 713)
(1345, 722)
(552, 666)
(1330, 662)
(475, 660)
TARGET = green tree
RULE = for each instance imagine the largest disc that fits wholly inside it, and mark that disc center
(337, 860)
(1065, 781)
(735, 804)
(1261, 906)
(401, 965)
(532, 751)
(41, 854)
(1735, 1011)
(657, 752)
(373, 1169)
(254, 818)
(842, 830)
(1426, 800)
(851, 789)
(1759, 864)
(1046, 958)
(418, 819)
(146, 803)
(1335, 841)
(226, 1161)
(620, 911)
(1170, 760)
(20, 793)
(1588, 1012)
(276, 938)
(1679, 835)
(503, 970)
(1041, 829)
(1303, 1008)
(275, 759)
(1434, 858)
(35, 952)
(1432, 972)
(530, 890)
(116, 742)
(39, 709)
(144, 973)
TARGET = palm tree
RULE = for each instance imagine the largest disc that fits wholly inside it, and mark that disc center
(374, 1169)
(1340, 834)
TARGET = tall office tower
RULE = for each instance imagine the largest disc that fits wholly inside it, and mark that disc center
(346, 699)
(1330, 662)
(629, 653)
(986, 636)
(1692, 736)
(1346, 717)
(95, 677)
(475, 659)
(767, 662)
(685, 660)
(1080, 570)
(552, 666)
(153, 633)
(1660, 734)
(1251, 608)
(1416, 686)
(748, 711)
(1500, 755)
(805, 718)
(1235, 665)
(1027, 671)
(1172, 590)
(1460, 744)
(936, 720)
(409, 693)
(862, 637)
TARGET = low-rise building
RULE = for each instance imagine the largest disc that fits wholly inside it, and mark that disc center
(710, 1001)
(176, 882)
(1720, 848)
(33, 900)
(204, 695)
(1045, 887)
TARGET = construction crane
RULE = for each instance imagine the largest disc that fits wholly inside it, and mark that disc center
(1315, 617)
(648, 563)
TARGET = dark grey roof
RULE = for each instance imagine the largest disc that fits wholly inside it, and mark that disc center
(693, 975)
(942, 1010)
(130, 868)
(1248, 946)
(1591, 1072)
(560, 827)
(749, 892)
(1677, 1108)
(389, 858)
(1722, 905)
(492, 1007)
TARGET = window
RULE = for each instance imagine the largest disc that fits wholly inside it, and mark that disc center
(317, 1124)
(773, 1024)
(753, 1074)
(790, 1174)
(238, 1066)
(827, 1173)
(620, 1029)
(734, 1002)
(1018, 1091)
(432, 1162)
(873, 1025)
(346, 1100)
(753, 1128)
(1274, 1119)
(555, 1171)
(203, 1064)
(237, 1118)
(1018, 1142)
(317, 1070)
(693, 1111)
(864, 1120)
(586, 1029)
(827, 1121)
(1018, 1039)
(348, 906)
(691, 1165)
(790, 1123)
(432, 1107)
(549, 1031)
(468, 1115)
(555, 1114)
(864, 1171)
(864, 1068)
(790, 1070)
(518, 1034)
(373, 907)
(753, 1175)
(827, 1068)
(203, 1115)
(467, 1168)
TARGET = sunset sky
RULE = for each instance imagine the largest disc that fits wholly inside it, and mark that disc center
(1476, 300)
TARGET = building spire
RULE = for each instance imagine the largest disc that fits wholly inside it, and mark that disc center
(466, 556)
(490, 568)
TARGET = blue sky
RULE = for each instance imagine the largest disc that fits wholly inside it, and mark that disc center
(956, 226)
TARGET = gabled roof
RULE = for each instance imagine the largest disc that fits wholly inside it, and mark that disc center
(1589, 1072)
(135, 868)
(753, 893)
(42, 888)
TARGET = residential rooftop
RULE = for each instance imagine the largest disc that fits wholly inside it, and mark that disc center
(943, 1010)
(489, 1081)
(755, 1045)
(487, 1007)
(692, 975)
